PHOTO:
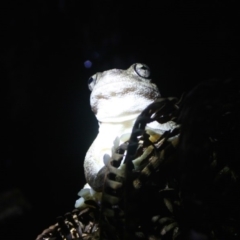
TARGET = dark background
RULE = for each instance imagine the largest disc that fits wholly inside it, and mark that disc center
(48, 125)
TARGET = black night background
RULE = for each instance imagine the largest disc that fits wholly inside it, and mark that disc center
(51, 48)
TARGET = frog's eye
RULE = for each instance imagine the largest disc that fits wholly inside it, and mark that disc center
(92, 82)
(142, 70)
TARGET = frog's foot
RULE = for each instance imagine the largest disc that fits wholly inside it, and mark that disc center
(87, 196)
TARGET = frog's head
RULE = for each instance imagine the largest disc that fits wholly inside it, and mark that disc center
(119, 95)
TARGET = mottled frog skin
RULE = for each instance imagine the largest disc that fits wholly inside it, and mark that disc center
(117, 98)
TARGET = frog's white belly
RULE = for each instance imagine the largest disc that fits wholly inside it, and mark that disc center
(108, 133)
(110, 136)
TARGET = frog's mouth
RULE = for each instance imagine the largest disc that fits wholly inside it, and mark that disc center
(151, 93)
(123, 104)
(123, 87)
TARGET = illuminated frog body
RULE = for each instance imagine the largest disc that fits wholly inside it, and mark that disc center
(117, 98)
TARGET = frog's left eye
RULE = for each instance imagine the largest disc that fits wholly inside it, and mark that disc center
(142, 70)
(92, 82)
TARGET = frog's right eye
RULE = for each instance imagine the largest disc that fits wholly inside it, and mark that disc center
(142, 70)
(92, 82)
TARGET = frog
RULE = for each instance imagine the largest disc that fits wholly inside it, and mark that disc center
(117, 98)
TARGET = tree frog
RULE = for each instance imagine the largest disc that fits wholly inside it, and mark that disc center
(117, 98)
